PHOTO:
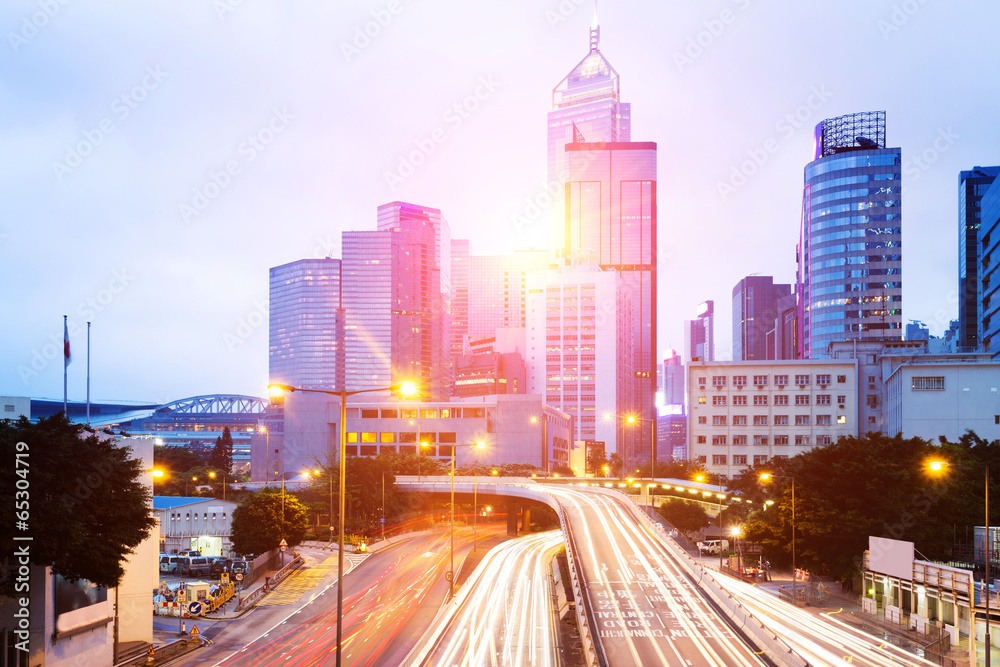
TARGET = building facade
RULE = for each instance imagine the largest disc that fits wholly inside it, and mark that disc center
(747, 413)
(699, 334)
(989, 276)
(195, 523)
(850, 247)
(972, 185)
(755, 311)
(497, 288)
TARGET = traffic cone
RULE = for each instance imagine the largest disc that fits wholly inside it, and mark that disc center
(183, 628)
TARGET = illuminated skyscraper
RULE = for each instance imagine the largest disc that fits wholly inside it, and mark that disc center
(850, 249)
(586, 107)
(305, 347)
(972, 185)
(497, 290)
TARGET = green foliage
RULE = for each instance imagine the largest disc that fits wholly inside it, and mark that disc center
(597, 461)
(173, 459)
(222, 454)
(86, 507)
(257, 522)
(684, 515)
(870, 486)
(616, 464)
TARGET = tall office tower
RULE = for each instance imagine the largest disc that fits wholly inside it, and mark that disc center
(972, 185)
(673, 379)
(579, 349)
(671, 415)
(460, 296)
(782, 338)
(497, 287)
(586, 106)
(699, 334)
(396, 298)
(850, 249)
(755, 309)
(989, 278)
(305, 325)
(611, 221)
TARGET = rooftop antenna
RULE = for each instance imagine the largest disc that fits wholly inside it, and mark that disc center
(595, 31)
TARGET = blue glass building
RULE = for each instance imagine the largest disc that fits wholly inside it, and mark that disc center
(972, 185)
(850, 249)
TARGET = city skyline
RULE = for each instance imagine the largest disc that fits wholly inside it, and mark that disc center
(218, 144)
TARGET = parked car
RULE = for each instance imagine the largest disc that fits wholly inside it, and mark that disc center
(711, 547)
(241, 566)
(193, 566)
(169, 563)
(218, 565)
(189, 552)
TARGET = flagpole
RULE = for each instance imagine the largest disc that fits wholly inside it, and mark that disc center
(88, 373)
(65, 365)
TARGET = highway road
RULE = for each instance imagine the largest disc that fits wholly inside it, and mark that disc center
(503, 614)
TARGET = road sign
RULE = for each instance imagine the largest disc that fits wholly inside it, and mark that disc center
(282, 543)
(448, 576)
(195, 630)
(182, 594)
(194, 609)
(283, 547)
(381, 520)
(238, 576)
(224, 578)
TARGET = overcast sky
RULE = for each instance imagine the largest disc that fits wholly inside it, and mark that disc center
(158, 158)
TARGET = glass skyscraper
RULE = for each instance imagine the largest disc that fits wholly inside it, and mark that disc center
(972, 185)
(989, 275)
(755, 309)
(850, 248)
(305, 345)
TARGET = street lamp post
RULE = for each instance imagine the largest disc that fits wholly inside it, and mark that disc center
(632, 419)
(407, 389)
(383, 499)
(765, 477)
(451, 574)
(938, 466)
(702, 478)
(212, 475)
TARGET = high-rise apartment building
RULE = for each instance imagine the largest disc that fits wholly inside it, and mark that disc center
(396, 298)
(459, 295)
(989, 276)
(305, 322)
(699, 334)
(755, 310)
(586, 107)
(611, 220)
(579, 348)
(972, 185)
(497, 288)
(850, 248)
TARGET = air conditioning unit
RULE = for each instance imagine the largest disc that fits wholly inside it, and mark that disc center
(822, 386)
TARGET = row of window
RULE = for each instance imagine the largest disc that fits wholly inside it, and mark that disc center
(375, 449)
(762, 380)
(176, 516)
(741, 459)
(779, 399)
(779, 420)
(402, 436)
(422, 413)
(763, 440)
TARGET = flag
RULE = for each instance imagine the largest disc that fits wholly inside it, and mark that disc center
(68, 357)
(578, 135)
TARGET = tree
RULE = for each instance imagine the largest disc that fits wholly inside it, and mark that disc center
(176, 458)
(85, 506)
(257, 525)
(684, 515)
(222, 453)
(596, 461)
(616, 464)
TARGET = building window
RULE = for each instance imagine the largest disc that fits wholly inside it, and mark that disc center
(871, 420)
(718, 439)
(701, 380)
(841, 419)
(701, 400)
(780, 457)
(701, 440)
(928, 383)
(718, 380)
(760, 380)
(759, 459)
(841, 399)
(369, 437)
(801, 399)
(760, 420)
(802, 420)
(408, 413)
(822, 379)
(718, 400)
(781, 399)
(739, 380)
(872, 400)
(739, 459)
(369, 414)
(739, 420)
(760, 440)
(780, 380)
(802, 380)
(760, 399)
(702, 459)
(822, 420)
(781, 420)
(718, 420)
(781, 439)
(841, 379)
(802, 440)
(387, 437)
(719, 459)
(739, 440)
(703, 420)
(447, 437)
(823, 399)
(823, 439)
(739, 400)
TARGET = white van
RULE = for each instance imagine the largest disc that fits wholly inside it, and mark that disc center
(711, 547)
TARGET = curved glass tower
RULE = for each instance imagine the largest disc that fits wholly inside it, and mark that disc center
(850, 248)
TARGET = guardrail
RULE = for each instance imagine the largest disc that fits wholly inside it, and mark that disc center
(254, 596)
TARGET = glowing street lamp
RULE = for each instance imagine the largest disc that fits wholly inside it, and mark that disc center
(404, 388)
